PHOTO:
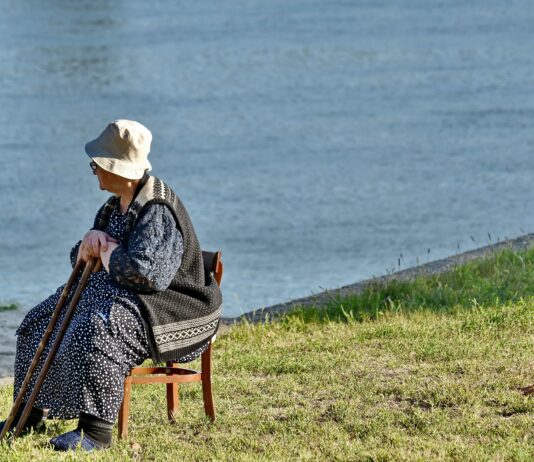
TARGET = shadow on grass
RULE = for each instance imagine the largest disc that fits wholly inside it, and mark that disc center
(504, 277)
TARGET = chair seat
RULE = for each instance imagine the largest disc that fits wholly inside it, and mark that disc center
(164, 375)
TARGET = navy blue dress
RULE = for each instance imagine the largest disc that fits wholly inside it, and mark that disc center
(107, 335)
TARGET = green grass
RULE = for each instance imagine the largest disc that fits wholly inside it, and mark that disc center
(10, 307)
(504, 277)
(423, 370)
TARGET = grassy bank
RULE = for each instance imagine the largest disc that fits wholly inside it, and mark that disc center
(422, 370)
(10, 307)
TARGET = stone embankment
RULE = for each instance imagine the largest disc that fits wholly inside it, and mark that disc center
(434, 267)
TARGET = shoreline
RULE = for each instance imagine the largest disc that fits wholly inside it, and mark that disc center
(322, 298)
(427, 269)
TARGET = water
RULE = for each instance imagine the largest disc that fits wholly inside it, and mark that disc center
(313, 142)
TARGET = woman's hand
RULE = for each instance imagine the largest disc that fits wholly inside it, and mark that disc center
(93, 243)
(105, 255)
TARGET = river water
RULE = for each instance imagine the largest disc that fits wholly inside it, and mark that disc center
(316, 143)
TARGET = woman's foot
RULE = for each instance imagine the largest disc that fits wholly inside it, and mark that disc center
(71, 440)
(92, 433)
(35, 421)
(39, 427)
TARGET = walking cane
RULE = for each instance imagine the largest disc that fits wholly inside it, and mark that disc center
(89, 266)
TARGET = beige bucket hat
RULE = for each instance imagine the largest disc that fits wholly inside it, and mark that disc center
(122, 148)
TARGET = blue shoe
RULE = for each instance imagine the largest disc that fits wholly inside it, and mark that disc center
(71, 440)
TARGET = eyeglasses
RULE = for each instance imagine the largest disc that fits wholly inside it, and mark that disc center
(93, 166)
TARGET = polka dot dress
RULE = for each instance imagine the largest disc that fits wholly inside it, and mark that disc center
(106, 337)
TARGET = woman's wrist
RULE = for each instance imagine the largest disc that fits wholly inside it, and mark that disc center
(105, 255)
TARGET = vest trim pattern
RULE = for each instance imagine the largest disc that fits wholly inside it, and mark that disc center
(168, 342)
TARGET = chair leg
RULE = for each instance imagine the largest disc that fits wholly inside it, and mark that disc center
(173, 399)
(125, 406)
(209, 408)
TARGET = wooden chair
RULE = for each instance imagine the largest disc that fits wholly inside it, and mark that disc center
(173, 374)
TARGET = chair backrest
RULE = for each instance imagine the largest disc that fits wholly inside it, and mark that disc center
(213, 264)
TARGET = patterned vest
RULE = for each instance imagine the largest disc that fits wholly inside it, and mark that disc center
(184, 316)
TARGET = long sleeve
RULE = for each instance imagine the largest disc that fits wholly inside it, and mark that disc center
(154, 252)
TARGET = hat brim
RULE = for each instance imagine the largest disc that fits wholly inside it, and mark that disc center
(116, 166)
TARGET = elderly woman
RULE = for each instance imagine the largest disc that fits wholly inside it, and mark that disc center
(149, 298)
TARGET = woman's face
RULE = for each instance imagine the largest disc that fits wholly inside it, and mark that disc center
(107, 180)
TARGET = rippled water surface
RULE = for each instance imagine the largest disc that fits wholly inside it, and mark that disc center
(313, 142)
